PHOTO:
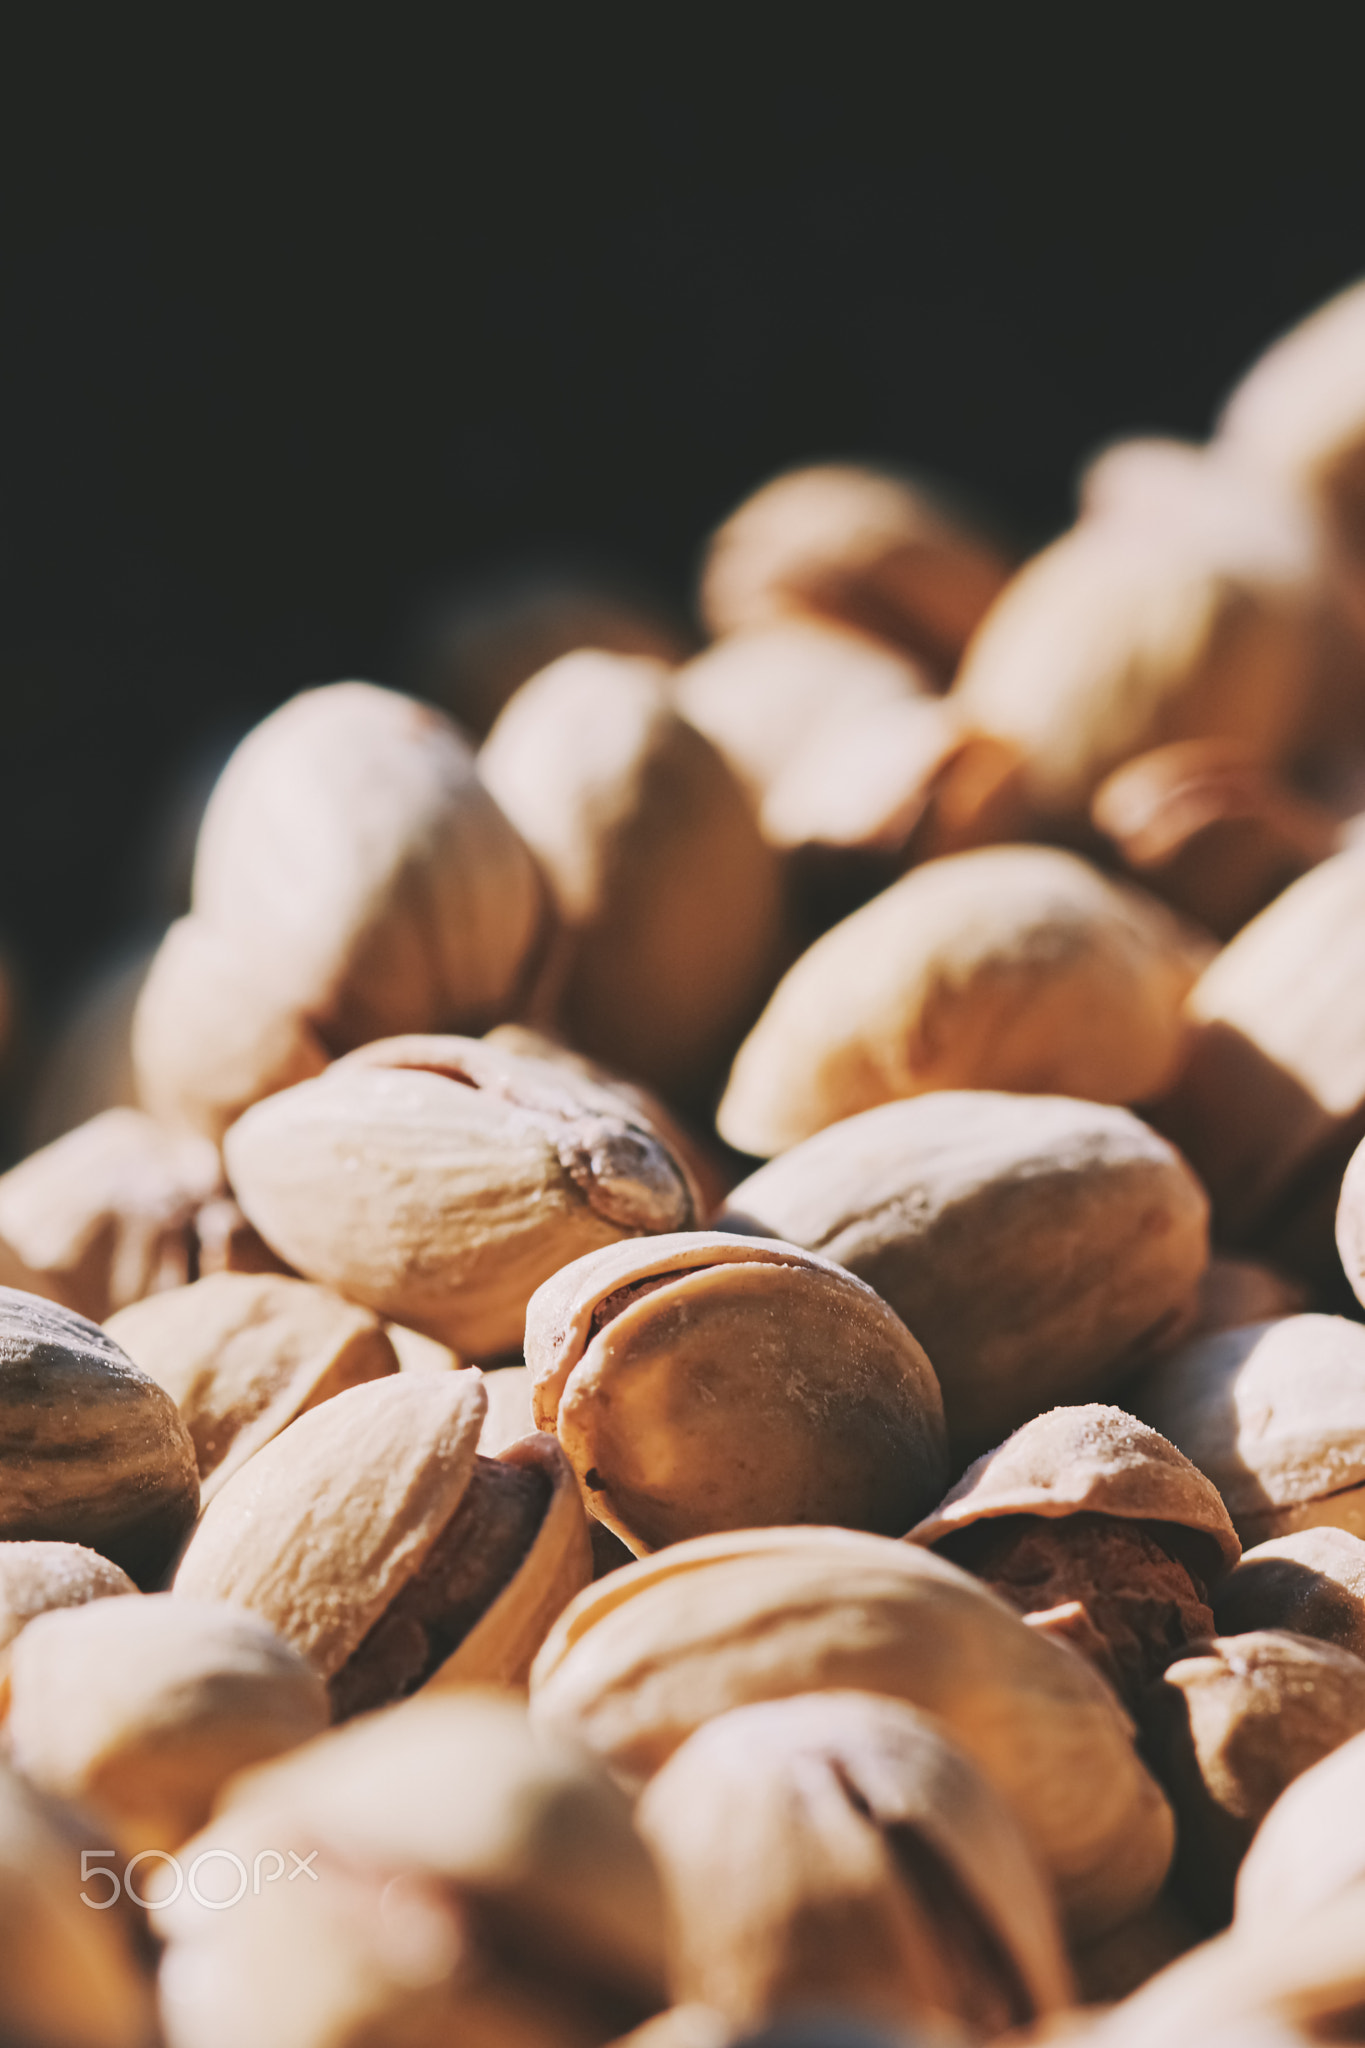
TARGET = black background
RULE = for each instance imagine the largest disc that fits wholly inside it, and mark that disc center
(295, 325)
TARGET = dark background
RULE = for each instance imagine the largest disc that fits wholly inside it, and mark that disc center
(295, 327)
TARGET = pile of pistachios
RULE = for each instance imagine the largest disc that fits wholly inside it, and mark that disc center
(694, 1372)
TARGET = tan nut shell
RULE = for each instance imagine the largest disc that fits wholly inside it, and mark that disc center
(1018, 968)
(37, 1577)
(668, 898)
(104, 1215)
(1310, 1846)
(758, 1385)
(1039, 1248)
(1274, 1414)
(1090, 1459)
(242, 1354)
(141, 1709)
(1112, 641)
(644, 1657)
(804, 1843)
(510, 1415)
(872, 549)
(1350, 1231)
(92, 1451)
(320, 1531)
(441, 1180)
(1311, 1583)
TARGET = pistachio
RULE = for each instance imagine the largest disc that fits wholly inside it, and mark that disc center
(1096, 1529)
(1117, 639)
(37, 1577)
(1350, 1230)
(1309, 1847)
(510, 1414)
(140, 1710)
(1235, 1291)
(668, 898)
(701, 1381)
(1114, 1965)
(1017, 968)
(1274, 1414)
(862, 546)
(477, 1882)
(1311, 1583)
(242, 1354)
(229, 1244)
(1272, 1099)
(636, 1663)
(353, 878)
(92, 1451)
(1096, 1229)
(416, 1353)
(440, 1181)
(834, 1851)
(374, 1539)
(105, 1215)
(1228, 1727)
(70, 1977)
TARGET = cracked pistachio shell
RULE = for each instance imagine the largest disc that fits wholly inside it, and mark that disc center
(834, 1851)
(1092, 1459)
(1229, 1726)
(1309, 1847)
(1311, 1583)
(1039, 1248)
(243, 1354)
(1011, 967)
(702, 1381)
(92, 1450)
(1117, 639)
(37, 1577)
(105, 1214)
(1274, 1414)
(440, 1181)
(477, 1881)
(139, 1710)
(864, 547)
(69, 1976)
(669, 899)
(643, 1658)
(510, 1414)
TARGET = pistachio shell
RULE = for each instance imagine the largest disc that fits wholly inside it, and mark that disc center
(1038, 1248)
(416, 1353)
(1229, 1727)
(810, 1847)
(92, 1451)
(140, 1710)
(319, 1531)
(104, 1215)
(69, 1975)
(1090, 1459)
(745, 1383)
(36, 1577)
(1235, 1291)
(1309, 1847)
(441, 1180)
(1312, 1583)
(1274, 1414)
(242, 1354)
(863, 546)
(510, 1415)
(644, 1657)
(669, 900)
(1018, 968)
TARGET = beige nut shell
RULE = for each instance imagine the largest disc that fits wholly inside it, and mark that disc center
(751, 1384)
(1090, 1459)
(37, 1577)
(1017, 968)
(643, 1658)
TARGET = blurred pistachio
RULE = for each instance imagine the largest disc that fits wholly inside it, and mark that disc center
(1311, 1583)
(1310, 1847)
(38, 1577)
(1236, 1290)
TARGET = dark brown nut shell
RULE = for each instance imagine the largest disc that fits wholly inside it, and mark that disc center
(1039, 1248)
(1274, 1414)
(1228, 1728)
(243, 1354)
(834, 1851)
(441, 1180)
(1311, 1583)
(1236, 1291)
(701, 1381)
(35, 1578)
(1017, 968)
(92, 1451)
(105, 1214)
